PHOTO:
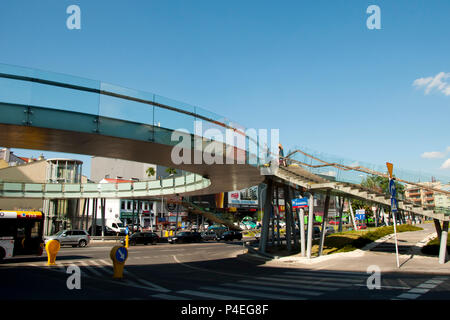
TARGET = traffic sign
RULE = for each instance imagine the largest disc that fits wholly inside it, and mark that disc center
(390, 167)
(171, 206)
(121, 254)
(392, 188)
(299, 203)
(394, 205)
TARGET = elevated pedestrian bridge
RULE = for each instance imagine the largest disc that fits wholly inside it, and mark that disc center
(55, 112)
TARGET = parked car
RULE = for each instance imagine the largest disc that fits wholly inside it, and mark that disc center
(142, 238)
(210, 235)
(98, 231)
(230, 236)
(185, 237)
(80, 238)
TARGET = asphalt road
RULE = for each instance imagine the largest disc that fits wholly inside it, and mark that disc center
(200, 271)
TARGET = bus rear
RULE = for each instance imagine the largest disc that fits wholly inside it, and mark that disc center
(21, 233)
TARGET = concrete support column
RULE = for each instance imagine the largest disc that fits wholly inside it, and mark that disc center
(277, 211)
(266, 217)
(301, 227)
(443, 254)
(291, 195)
(437, 225)
(287, 213)
(351, 213)
(310, 225)
(102, 203)
(341, 212)
(87, 215)
(324, 222)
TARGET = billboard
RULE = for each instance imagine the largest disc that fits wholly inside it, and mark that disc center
(244, 197)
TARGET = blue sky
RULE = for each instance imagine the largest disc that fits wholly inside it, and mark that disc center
(310, 68)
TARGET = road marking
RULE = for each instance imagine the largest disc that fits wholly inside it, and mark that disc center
(265, 284)
(323, 285)
(427, 285)
(383, 287)
(408, 296)
(423, 288)
(209, 295)
(337, 277)
(254, 294)
(333, 279)
(264, 288)
(418, 290)
(91, 269)
(169, 297)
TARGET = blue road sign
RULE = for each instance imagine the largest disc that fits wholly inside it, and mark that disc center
(300, 203)
(392, 188)
(394, 205)
(360, 216)
(121, 254)
(126, 230)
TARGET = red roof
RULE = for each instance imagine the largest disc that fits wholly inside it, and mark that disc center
(117, 180)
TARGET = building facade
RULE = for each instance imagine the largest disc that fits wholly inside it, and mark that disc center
(58, 213)
(428, 198)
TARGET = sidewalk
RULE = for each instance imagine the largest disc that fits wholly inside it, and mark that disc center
(359, 260)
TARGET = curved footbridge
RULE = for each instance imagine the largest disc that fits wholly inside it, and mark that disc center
(55, 112)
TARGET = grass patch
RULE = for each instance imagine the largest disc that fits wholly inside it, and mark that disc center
(432, 248)
(352, 240)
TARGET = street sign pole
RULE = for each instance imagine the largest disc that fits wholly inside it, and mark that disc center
(392, 191)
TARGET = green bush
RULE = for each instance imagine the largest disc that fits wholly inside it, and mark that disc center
(433, 247)
(348, 241)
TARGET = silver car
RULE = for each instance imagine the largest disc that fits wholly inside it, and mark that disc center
(75, 238)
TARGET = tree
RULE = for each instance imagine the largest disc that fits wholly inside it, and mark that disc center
(381, 184)
(171, 171)
(150, 172)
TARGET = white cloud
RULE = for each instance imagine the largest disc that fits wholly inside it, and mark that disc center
(446, 164)
(437, 83)
(433, 155)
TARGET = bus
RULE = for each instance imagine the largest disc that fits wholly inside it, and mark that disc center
(21, 233)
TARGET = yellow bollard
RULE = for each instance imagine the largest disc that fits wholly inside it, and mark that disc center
(118, 255)
(52, 247)
(126, 240)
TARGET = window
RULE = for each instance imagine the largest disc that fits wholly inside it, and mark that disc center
(122, 205)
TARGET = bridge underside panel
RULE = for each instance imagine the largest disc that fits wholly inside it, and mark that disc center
(224, 177)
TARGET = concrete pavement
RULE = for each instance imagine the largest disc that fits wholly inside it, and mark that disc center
(380, 253)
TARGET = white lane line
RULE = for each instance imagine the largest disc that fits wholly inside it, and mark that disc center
(168, 297)
(427, 285)
(340, 273)
(153, 286)
(408, 296)
(383, 287)
(209, 295)
(90, 268)
(334, 277)
(435, 281)
(107, 268)
(264, 288)
(317, 278)
(418, 290)
(423, 288)
(306, 284)
(265, 284)
(253, 294)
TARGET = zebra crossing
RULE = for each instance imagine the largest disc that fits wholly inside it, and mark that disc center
(101, 269)
(288, 285)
